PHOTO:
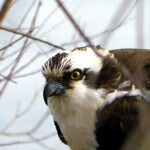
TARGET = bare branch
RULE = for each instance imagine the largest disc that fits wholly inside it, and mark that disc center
(117, 17)
(8, 79)
(97, 35)
(31, 104)
(12, 43)
(40, 143)
(21, 22)
(27, 74)
(31, 37)
(21, 52)
(74, 23)
(10, 55)
(27, 64)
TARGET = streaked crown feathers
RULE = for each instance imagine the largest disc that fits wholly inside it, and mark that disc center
(71, 59)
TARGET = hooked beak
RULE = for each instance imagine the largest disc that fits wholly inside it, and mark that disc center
(53, 88)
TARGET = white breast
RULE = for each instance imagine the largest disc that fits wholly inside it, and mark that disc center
(76, 118)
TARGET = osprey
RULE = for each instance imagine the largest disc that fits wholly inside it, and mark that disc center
(93, 103)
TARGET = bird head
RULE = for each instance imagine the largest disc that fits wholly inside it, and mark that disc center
(70, 76)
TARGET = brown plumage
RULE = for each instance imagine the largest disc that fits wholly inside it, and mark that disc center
(116, 119)
(137, 62)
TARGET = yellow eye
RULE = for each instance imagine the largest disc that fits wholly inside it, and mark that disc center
(75, 75)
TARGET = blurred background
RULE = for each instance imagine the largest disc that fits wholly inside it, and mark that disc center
(33, 30)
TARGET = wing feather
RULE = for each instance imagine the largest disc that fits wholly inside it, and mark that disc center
(116, 121)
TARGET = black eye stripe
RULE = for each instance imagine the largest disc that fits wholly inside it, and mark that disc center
(66, 75)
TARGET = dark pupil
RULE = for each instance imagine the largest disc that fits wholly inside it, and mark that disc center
(75, 75)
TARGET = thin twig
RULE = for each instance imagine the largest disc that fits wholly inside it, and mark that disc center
(74, 23)
(117, 17)
(27, 74)
(12, 43)
(120, 16)
(27, 64)
(31, 103)
(11, 54)
(8, 79)
(24, 66)
(98, 35)
(25, 111)
(21, 22)
(48, 17)
(31, 131)
(11, 63)
(40, 143)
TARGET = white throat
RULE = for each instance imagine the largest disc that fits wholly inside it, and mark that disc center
(75, 115)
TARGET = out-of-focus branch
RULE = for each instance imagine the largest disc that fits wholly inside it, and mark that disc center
(40, 27)
(31, 37)
(31, 104)
(34, 129)
(97, 35)
(28, 74)
(29, 141)
(12, 43)
(118, 16)
(58, 23)
(23, 67)
(27, 64)
(22, 50)
(7, 79)
(20, 114)
(10, 55)
(48, 17)
(21, 22)
(14, 76)
(76, 26)
(4, 9)
(40, 143)
(11, 63)
(140, 25)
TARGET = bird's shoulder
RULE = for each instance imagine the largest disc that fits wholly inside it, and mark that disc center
(137, 61)
(115, 121)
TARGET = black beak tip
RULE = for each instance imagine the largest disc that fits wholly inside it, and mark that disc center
(45, 96)
(45, 100)
(46, 92)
